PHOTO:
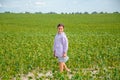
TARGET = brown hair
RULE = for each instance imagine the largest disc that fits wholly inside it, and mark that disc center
(60, 25)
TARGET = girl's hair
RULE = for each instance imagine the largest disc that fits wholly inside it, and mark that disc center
(60, 25)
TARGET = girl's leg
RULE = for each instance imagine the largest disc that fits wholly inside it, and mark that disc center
(61, 66)
(65, 67)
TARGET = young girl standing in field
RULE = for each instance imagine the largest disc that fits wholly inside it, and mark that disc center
(61, 47)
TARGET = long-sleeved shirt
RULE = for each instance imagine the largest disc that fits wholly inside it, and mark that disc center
(60, 44)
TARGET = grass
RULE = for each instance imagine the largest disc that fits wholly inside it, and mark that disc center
(26, 42)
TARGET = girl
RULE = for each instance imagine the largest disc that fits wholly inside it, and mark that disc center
(61, 47)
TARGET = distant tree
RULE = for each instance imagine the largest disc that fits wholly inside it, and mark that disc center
(101, 12)
(94, 12)
(77, 13)
(106, 13)
(21, 13)
(69, 13)
(72, 13)
(7, 12)
(80, 12)
(51, 13)
(116, 12)
(38, 12)
(27, 12)
(62, 13)
(86, 13)
(66, 13)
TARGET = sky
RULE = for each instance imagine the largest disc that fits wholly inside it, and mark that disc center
(59, 6)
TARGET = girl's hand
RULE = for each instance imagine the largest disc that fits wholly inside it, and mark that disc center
(64, 55)
(54, 55)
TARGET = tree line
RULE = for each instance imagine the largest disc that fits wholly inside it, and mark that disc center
(95, 12)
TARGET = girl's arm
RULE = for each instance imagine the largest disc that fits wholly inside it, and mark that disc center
(65, 46)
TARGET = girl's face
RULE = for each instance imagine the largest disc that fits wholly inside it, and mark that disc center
(60, 29)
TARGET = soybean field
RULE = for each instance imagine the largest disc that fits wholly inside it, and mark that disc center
(26, 46)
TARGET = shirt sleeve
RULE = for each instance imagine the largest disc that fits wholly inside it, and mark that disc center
(65, 44)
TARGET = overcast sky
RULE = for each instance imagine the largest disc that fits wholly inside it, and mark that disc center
(59, 5)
